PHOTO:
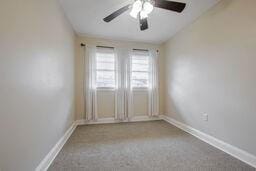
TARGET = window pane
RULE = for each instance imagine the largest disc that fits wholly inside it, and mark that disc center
(140, 69)
(140, 83)
(105, 61)
(105, 68)
(140, 79)
(140, 60)
(105, 57)
(140, 63)
(140, 75)
(105, 79)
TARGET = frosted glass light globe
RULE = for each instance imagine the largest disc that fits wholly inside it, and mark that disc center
(136, 8)
(143, 14)
(148, 7)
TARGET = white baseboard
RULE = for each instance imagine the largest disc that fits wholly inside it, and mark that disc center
(232, 150)
(46, 162)
(112, 120)
(144, 118)
(227, 148)
(99, 121)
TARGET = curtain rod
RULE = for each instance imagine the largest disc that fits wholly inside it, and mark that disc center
(144, 50)
(105, 47)
(83, 45)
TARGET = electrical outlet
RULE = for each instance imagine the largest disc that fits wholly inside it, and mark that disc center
(205, 116)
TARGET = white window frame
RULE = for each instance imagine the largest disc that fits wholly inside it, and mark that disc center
(115, 70)
(145, 88)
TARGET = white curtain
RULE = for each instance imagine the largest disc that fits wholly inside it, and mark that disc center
(129, 109)
(152, 89)
(89, 83)
(154, 84)
(123, 92)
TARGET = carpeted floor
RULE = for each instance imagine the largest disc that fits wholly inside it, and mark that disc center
(141, 146)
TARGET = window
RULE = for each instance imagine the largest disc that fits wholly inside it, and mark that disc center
(105, 68)
(140, 69)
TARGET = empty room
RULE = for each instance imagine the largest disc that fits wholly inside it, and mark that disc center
(127, 85)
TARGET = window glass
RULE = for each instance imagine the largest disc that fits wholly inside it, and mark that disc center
(105, 68)
(140, 69)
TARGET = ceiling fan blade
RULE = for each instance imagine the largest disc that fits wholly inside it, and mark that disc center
(117, 13)
(143, 24)
(170, 5)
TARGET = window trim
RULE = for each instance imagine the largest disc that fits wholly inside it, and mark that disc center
(107, 88)
(142, 88)
(139, 89)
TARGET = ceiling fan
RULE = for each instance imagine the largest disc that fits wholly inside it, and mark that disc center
(142, 8)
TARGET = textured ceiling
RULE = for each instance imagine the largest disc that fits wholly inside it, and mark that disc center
(86, 18)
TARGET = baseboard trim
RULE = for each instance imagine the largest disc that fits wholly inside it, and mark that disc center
(46, 162)
(112, 120)
(144, 119)
(227, 148)
(49, 158)
(99, 121)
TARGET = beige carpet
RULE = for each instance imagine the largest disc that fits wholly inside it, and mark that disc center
(144, 146)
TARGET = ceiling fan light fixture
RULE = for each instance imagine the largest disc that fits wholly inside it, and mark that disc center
(134, 14)
(136, 8)
(143, 14)
(148, 7)
(142, 8)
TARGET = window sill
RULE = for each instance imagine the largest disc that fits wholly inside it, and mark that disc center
(106, 89)
(140, 89)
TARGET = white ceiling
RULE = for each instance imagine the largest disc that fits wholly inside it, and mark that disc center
(86, 18)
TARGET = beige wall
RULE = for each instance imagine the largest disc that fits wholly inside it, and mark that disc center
(210, 68)
(36, 81)
(140, 103)
(105, 104)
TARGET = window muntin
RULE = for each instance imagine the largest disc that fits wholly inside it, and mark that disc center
(140, 69)
(105, 68)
